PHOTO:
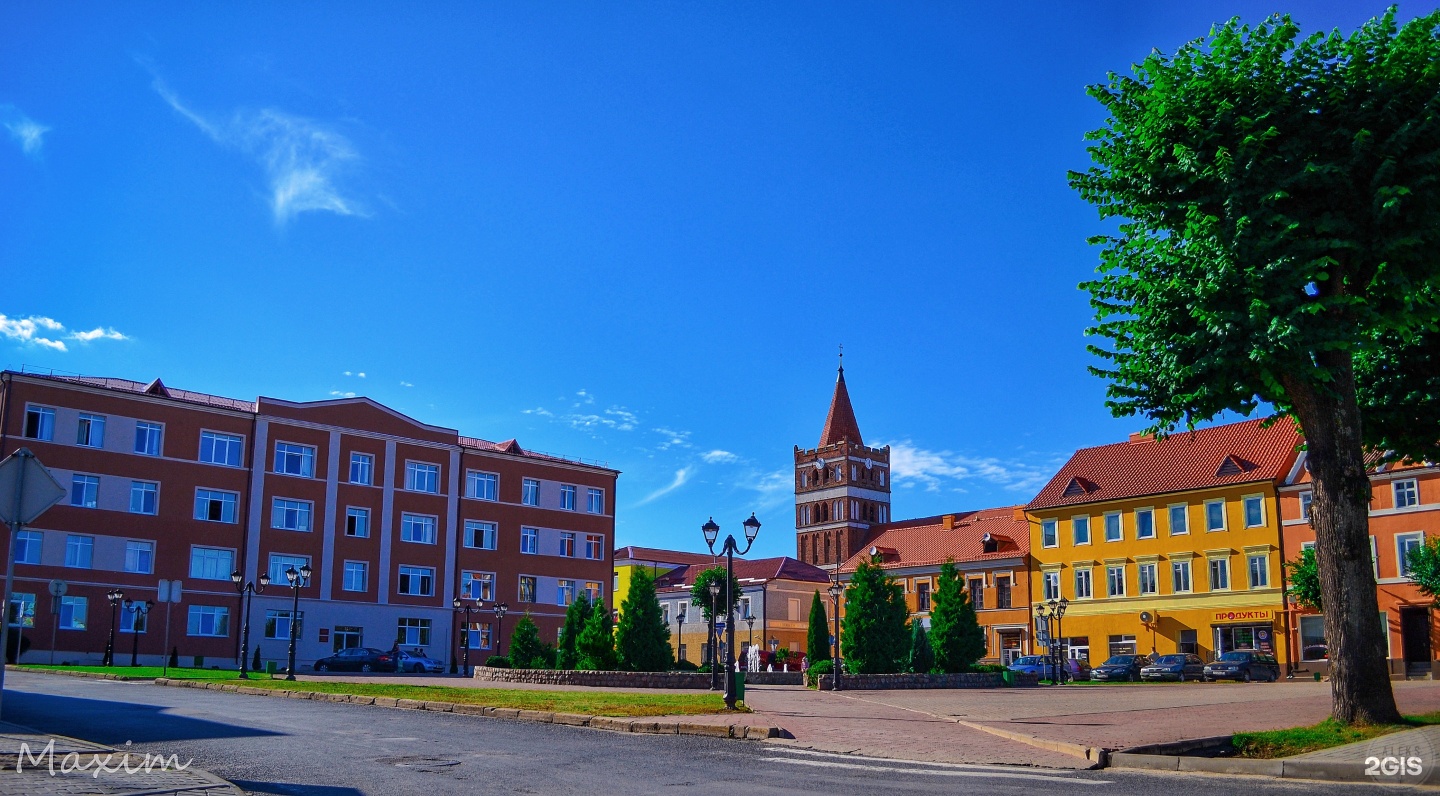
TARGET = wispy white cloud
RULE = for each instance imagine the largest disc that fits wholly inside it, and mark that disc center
(539, 410)
(583, 397)
(339, 394)
(913, 465)
(406, 384)
(681, 477)
(359, 375)
(719, 457)
(673, 438)
(303, 160)
(27, 132)
(39, 330)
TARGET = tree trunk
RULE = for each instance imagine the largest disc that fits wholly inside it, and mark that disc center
(1340, 514)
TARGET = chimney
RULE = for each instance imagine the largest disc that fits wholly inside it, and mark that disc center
(948, 522)
(1140, 436)
(1019, 515)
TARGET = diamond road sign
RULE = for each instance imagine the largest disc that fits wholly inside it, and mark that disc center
(38, 490)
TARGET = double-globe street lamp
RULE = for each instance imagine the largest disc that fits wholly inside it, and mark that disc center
(115, 596)
(713, 641)
(500, 610)
(680, 646)
(298, 580)
(712, 532)
(835, 591)
(464, 607)
(138, 609)
(1048, 611)
(247, 591)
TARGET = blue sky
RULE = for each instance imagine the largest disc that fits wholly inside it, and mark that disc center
(631, 232)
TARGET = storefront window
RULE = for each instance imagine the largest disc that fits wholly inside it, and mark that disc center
(1122, 645)
(1189, 642)
(1079, 647)
(1312, 639)
(1244, 637)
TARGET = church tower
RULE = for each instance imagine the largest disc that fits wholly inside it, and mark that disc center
(842, 487)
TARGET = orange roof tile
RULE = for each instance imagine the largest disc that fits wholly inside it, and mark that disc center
(840, 422)
(761, 569)
(926, 542)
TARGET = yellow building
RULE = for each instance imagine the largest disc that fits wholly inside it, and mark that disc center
(1167, 545)
(655, 562)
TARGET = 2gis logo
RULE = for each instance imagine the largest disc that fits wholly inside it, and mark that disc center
(1394, 766)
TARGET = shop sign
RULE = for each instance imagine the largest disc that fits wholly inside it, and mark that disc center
(1251, 615)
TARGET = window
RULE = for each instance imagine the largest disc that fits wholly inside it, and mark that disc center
(1405, 544)
(530, 494)
(1188, 643)
(412, 632)
(212, 505)
(1082, 584)
(530, 540)
(40, 423)
(362, 469)
(1002, 591)
(592, 592)
(1180, 576)
(84, 491)
(482, 486)
(481, 535)
(481, 636)
(1081, 528)
(418, 528)
(356, 577)
(217, 448)
(567, 544)
(567, 497)
(1049, 534)
(22, 610)
(27, 547)
(881, 474)
(1115, 580)
(1254, 509)
(596, 501)
(72, 613)
(1215, 515)
(1306, 498)
(1179, 519)
(143, 497)
(1114, 531)
(1219, 574)
(208, 620)
(1122, 645)
(147, 438)
(347, 637)
(211, 563)
(140, 557)
(421, 477)
(132, 621)
(564, 592)
(1312, 639)
(1144, 523)
(1149, 584)
(91, 431)
(594, 546)
(357, 522)
(1259, 566)
(292, 459)
(79, 550)
(277, 623)
(527, 588)
(1407, 493)
(977, 592)
(417, 581)
(922, 596)
(478, 584)
(290, 515)
(279, 563)
(1052, 585)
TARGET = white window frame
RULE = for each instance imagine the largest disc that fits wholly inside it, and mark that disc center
(139, 488)
(1089, 582)
(219, 439)
(487, 533)
(1148, 511)
(1110, 573)
(528, 535)
(1224, 521)
(482, 485)
(44, 424)
(90, 430)
(422, 629)
(1153, 578)
(1184, 512)
(351, 567)
(69, 604)
(1210, 562)
(486, 580)
(1307, 499)
(153, 432)
(530, 492)
(233, 504)
(303, 510)
(564, 591)
(1186, 566)
(1075, 530)
(1049, 533)
(1245, 503)
(25, 542)
(1264, 570)
(361, 525)
(279, 562)
(79, 551)
(418, 577)
(1402, 568)
(567, 497)
(1050, 584)
(1409, 487)
(89, 496)
(595, 500)
(299, 453)
(419, 475)
(365, 462)
(429, 526)
(219, 621)
(1119, 526)
(133, 550)
(209, 563)
(598, 541)
(567, 544)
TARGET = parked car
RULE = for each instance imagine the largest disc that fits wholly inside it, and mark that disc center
(1245, 666)
(417, 662)
(357, 659)
(1044, 668)
(1121, 668)
(1178, 666)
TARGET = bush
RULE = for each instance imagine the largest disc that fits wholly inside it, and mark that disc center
(812, 675)
(987, 668)
(705, 669)
(684, 666)
(498, 662)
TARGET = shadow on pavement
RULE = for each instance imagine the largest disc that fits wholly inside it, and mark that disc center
(294, 788)
(113, 722)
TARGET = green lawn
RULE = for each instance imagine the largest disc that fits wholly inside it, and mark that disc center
(143, 672)
(1328, 733)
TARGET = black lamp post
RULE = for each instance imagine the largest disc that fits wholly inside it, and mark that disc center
(835, 591)
(115, 596)
(139, 609)
(500, 611)
(750, 622)
(298, 581)
(712, 531)
(1051, 612)
(461, 605)
(247, 592)
(680, 646)
(1059, 611)
(714, 590)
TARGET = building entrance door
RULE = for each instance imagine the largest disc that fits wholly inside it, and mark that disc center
(1009, 646)
(1415, 634)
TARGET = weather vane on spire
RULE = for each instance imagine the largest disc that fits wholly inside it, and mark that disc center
(842, 356)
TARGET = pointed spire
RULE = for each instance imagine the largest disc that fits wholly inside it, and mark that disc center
(840, 422)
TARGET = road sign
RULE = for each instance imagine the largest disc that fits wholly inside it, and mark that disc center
(168, 591)
(22, 475)
(58, 588)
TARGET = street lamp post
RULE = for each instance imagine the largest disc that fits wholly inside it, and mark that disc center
(138, 608)
(1050, 612)
(115, 596)
(680, 647)
(712, 532)
(461, 605)
(835, 590)
(500, 610)
(247, 592)
(298, 581)
(1059, 611)
(710, 639)
(750, 622)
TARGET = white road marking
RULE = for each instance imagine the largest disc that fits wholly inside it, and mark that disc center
(939, 772)
(893, 761)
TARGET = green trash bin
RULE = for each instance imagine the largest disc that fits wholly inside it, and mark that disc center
(270, 668)
(1008, 677)
(740, 686)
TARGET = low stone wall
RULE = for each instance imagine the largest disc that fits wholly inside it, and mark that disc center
(573, 677)
(774, 678)
(881, 682)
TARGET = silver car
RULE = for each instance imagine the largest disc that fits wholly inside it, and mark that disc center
(417, 662)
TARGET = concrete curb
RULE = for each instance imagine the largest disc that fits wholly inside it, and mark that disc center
(613, 723)
(86, 675)
(1281, 768)
(1097, 756)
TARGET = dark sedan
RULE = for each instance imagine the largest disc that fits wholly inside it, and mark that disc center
(1179, 666)
(1245, 666)
(357, 659)
(1120, 668)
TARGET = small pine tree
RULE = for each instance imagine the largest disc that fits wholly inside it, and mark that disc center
(596, 647)
(255, 664)
(643, 639)
(576, 616)
(175, 657)
(817, 640)
(922, 657)
(875, 638)
(955, 634)
(526, 651)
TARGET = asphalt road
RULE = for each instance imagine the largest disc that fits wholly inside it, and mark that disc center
(298, 747)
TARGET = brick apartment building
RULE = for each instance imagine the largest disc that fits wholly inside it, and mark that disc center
(396, 518)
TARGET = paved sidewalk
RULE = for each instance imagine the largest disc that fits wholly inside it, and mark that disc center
(48, 771)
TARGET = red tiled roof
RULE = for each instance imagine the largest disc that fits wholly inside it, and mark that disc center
(658, 556)
(926, 542)
(1375, 465)
(761, 569)
(840, 421)
(1235, 453)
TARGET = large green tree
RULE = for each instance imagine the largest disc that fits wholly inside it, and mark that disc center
(922, 656)
(955, 633)
(1277, 215)
(700, 595)
(875, 636)
(596, 646)
(642, 640)
(817, 637)
(576, 616)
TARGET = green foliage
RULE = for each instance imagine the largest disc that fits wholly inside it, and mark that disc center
(875, 638)
(1303, 576)
(684, 666)
(526, 651)
(817, 638)
(922, 657)
(987, 668)
(255, 663)
(575, 618)
(700, 592)
(498, 662)
(812, 675)
(642, 640)
(1424, 563)
(955, 632)
(596, 646)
